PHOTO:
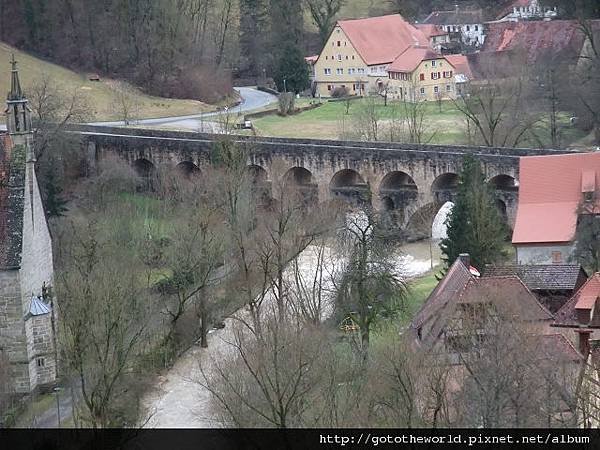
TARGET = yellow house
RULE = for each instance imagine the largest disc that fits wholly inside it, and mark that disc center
(358, 52)
(422, 74)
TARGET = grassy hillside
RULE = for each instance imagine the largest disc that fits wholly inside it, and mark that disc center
(102, 97)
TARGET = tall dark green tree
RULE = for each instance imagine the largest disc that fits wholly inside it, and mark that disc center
(475, 225)
(253, 21)
(587, 238)
(291, 72)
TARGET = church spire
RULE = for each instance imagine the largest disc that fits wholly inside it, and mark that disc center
(16, 93)
(18, 114)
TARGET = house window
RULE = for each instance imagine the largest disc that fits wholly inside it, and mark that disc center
(41, 362)
(476, 28)
(468, 28)
(339, 57)
(346, 57)
(448, 88)
(422, 91)
(448, 74)
(327, 71)
(435, 75)
(556, 257)
(433, 63)
(328, 87)
(339, 71)
(339, 44)
(422, 77)
(436, 89)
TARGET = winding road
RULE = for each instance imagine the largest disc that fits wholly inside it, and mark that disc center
(251, 99)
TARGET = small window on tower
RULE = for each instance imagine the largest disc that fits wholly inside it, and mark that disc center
(41, 362)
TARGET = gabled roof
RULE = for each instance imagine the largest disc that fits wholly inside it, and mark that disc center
(460, 64)
(450, 287)
(508, 294)
(379, 40)
(12, 191)
(583, 299)
(549, 196)
(455, 17)
(430, 30)
(557, 346)
(537, 39)
(542, 277)
(411, 58)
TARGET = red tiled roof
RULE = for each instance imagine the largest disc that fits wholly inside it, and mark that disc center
(549, 196)
(379, 40)
(460, 64)
(583, 299)
(455, 281)
(556, 345)
(411, 58)
(589, 293)
(536, 38)
(508, 293)
(430, 30)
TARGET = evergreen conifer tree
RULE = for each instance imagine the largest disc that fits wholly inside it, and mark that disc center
(475, 225)
(292, 68)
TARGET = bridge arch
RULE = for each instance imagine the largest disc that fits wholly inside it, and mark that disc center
(143, 167)
(301, 180)
(443, 188)
(349, 185)
(504, 182)
(506, 190)
(257, 173)
(397, 192)
(188, 169)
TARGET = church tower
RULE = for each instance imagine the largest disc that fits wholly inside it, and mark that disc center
(27, 311)
(18, 114)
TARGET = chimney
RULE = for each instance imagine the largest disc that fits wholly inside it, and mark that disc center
(584, 342)
(466, 259)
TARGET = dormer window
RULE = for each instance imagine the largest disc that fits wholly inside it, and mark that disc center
(588, 197)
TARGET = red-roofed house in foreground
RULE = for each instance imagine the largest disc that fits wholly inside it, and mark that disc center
(553, 192)
(492, 332)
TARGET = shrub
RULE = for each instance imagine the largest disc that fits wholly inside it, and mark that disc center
(339, 92)
(286, 103)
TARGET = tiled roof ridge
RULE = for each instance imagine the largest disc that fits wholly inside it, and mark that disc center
(442, 285)
(518, 279)
(566, 341)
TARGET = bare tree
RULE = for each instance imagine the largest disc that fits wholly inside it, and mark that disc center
(499, 109)
(126, 104)
(104, 322)
(271, 378)
(323, 13)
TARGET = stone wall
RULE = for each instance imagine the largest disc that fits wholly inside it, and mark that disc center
(36, 269)
(12, 329)
(40, 350)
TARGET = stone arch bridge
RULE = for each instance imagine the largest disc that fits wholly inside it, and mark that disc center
(410, 181)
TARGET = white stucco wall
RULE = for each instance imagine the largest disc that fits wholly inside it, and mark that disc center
(542, 254)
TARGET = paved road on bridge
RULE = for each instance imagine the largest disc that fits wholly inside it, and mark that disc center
(251, 99)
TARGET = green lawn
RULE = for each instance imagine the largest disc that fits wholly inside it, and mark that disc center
(445, 125)
(419, 290)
